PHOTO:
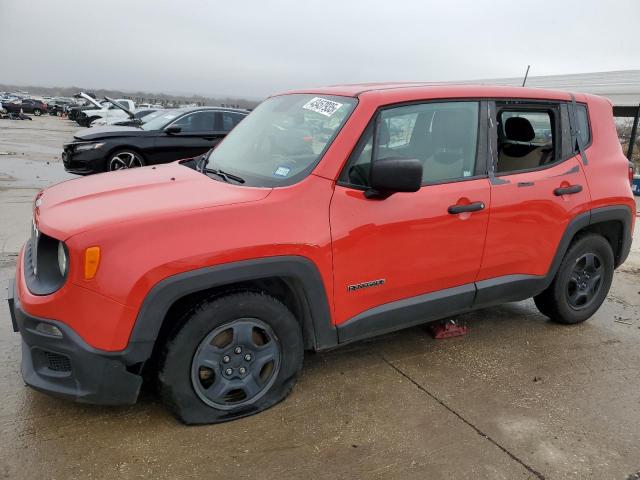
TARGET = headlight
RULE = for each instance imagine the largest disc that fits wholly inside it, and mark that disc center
(62, 259)
(81, 147)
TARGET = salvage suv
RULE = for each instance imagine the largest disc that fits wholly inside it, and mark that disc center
(327, 216)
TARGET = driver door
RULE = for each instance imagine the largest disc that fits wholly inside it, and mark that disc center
(388, 253)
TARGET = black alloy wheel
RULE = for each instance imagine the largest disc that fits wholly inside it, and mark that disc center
(581, 283)
(236, 364)
(585, 281)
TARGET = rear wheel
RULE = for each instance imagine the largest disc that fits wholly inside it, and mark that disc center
(582, 282)
(233, 356)
(37, 112)
(125, 159)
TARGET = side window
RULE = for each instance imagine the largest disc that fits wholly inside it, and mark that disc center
(230, 120)
(583, 125)
(443, 136)
(196, 122)
(526, 138)
(400, 128)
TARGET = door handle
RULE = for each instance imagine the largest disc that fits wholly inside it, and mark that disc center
(471, 207)
(567, 190)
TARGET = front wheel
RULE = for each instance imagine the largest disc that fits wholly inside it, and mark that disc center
(234, 356)
(37, 112)
(581, 283)
(124, 159)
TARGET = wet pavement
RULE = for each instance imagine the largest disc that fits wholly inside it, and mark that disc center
(519, 397)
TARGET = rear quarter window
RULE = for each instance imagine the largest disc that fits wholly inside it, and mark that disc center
(582, 116)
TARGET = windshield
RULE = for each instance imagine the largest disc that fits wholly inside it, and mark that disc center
(159, 121)
(283, 139)
(150, 116)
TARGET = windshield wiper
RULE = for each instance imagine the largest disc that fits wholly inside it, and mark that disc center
(224, 175)
(201, 163)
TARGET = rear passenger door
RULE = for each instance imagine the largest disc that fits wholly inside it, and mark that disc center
(537, 187)
(410, 244)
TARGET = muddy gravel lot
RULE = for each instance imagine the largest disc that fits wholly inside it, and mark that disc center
(518, 397)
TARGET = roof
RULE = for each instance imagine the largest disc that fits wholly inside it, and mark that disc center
(435, 90)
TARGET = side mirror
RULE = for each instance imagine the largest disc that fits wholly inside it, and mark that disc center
(172, 129)
(391, 175)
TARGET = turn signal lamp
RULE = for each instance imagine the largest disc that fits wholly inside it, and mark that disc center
(91, 262)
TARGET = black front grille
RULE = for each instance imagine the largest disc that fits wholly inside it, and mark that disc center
(57, 362)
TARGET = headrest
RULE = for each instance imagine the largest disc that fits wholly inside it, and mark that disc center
(519, 129)
(449, 128)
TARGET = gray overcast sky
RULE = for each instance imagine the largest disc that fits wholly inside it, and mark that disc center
(254, 48)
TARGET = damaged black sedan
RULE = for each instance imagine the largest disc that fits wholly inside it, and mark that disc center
(176, 134)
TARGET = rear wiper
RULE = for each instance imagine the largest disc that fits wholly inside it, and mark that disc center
(224, 175)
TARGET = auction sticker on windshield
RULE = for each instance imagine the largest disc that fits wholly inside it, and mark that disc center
(322, 106)
(282, 171)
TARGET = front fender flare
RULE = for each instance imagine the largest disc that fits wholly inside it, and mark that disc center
(166, 292)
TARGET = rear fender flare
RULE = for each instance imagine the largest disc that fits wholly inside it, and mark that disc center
(620, 213)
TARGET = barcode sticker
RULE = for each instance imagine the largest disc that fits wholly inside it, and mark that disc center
(282, 171)
(322, 106)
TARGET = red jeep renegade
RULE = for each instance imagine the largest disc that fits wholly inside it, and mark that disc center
(327, 216)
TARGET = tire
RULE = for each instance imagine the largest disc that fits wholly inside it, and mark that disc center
(90, 120)
(581, 283)
(37, 112)
(124, 159)
(201, 390)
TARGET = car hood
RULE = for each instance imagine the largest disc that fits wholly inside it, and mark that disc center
(143, 194)
(90, 99)
(97, 133)
(121, 107)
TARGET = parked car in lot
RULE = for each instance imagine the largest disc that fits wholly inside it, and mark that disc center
(119, 109)
(90, 103)
(27, 105)
(150, 106)
(56, 106)
(176, 134)
(325, 217)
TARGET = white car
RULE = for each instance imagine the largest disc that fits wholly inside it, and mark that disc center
(149, 106)
(120, 109)
(141, 116)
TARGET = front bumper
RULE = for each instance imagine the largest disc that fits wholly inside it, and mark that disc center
(66, 366)
(83, 163)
